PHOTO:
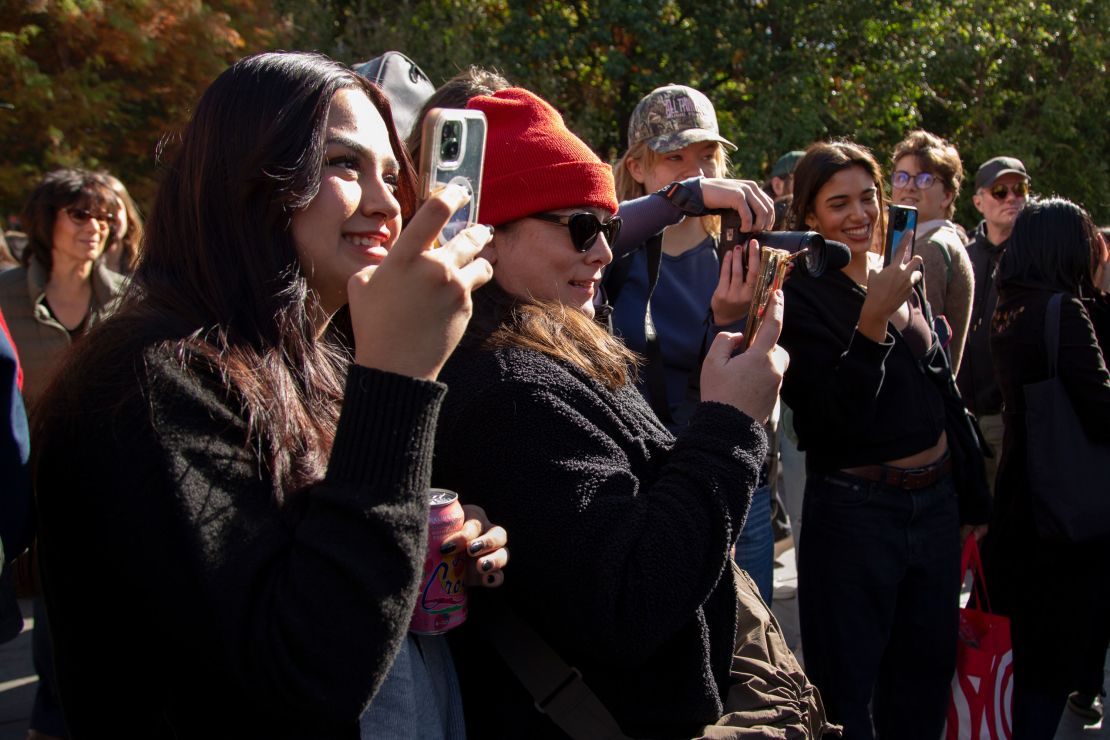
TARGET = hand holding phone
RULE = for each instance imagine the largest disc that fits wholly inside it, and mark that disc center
(452, 152)
(901, 230)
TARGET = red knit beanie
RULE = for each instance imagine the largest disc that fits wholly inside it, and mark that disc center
(534, 163)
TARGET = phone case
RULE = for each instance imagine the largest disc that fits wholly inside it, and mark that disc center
(900, 219)
(453, 148)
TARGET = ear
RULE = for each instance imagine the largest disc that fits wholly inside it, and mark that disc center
(977, 200)
(811, 221)
(949, 196)
(636, 168)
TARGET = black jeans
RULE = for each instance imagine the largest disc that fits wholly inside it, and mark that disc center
(878, 589)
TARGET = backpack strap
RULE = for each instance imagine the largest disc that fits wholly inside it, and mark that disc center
(558, 690)
(655, 381)
(1052, 332)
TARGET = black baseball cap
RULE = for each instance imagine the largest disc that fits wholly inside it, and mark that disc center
(995, 168)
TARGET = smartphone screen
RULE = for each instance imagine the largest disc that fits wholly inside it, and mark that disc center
(900, 220)
(452, 152)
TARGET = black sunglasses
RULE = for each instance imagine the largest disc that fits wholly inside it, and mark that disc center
(1000, 192)
(584, 227)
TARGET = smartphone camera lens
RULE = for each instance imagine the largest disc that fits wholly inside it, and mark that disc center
(449, 145)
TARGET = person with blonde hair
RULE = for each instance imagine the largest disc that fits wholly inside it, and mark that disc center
(676, 280)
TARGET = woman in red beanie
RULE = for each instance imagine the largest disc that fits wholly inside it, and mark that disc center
(621, 533)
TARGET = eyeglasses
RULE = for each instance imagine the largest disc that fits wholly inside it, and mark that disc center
(922, 180)
(1019, 190)
(82, 216)
(584, 227)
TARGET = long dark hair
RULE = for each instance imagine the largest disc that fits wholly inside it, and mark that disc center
(55, 192)
(821, 161)
(220, 283)
(1054, 245)
(132, 242)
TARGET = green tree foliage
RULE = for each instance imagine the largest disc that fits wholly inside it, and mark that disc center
(98, 84)
(1019, 77)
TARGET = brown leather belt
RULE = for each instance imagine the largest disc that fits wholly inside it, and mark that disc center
(910, 479)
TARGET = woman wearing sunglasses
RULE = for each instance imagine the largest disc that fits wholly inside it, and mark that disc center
(927, 175)
(60, 290)
(1001, 189)
(621, 532)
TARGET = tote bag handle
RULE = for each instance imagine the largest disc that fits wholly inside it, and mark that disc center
(970, 559)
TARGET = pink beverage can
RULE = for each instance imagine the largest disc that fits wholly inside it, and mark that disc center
(441, 603)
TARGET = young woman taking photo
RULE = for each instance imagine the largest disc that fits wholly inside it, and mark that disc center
(621, 532)
(878, 568)
(240, 458)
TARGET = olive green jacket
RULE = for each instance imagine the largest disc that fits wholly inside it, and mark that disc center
(39, 339)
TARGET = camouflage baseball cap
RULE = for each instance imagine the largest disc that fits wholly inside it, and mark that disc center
(674, 116)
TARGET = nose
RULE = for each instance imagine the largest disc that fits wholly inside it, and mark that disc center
(600, 253)
(378, 198)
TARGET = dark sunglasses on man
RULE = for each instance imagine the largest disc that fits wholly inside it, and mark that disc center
(1020, 190)
(584, 227)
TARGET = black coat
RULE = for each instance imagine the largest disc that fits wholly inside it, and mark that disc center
(1047, 588)
(619, 535)
(183, 602)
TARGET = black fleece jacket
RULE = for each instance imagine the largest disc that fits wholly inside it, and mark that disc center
(183, 602)
(619, 535)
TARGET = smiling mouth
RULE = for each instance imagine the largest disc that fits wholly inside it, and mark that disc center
(858, 232)
(360, 240)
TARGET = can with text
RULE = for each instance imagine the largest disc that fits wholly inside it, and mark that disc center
(441, 603)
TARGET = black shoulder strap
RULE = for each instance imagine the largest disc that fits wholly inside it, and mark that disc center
(654, 379)
(1052, 332)
(653, 372)
(557, 688)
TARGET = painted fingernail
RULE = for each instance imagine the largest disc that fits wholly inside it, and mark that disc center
(447, 548)
(487, 566)
(491, 579)
(476, 547)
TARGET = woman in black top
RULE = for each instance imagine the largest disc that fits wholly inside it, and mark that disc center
(880, 548)
(1054, 248)
(245, 477)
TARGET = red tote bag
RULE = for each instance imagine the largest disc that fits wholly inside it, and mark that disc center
(984, 682)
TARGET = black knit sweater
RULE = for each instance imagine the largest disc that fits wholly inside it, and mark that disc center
(183, 602)
(619, 536)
